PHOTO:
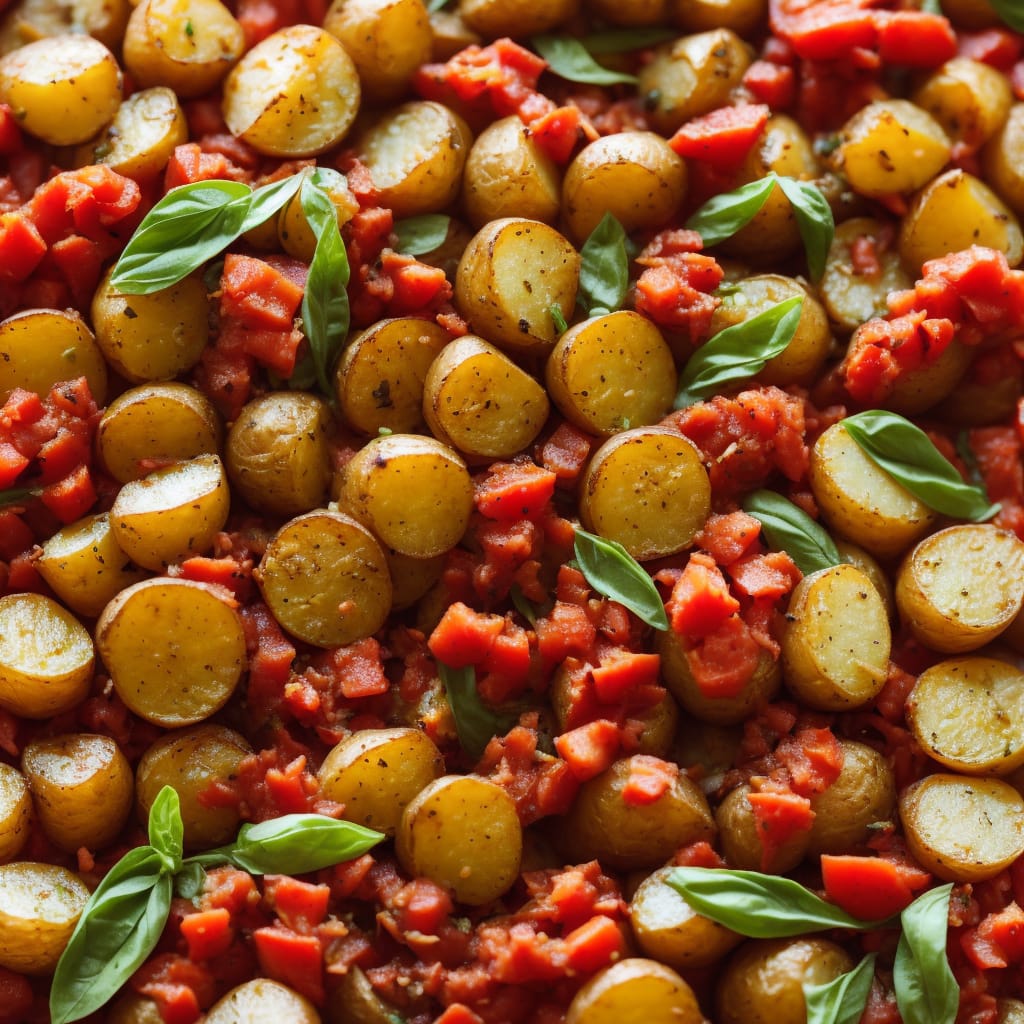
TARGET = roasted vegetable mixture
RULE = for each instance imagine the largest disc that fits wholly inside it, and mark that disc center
(511, 512)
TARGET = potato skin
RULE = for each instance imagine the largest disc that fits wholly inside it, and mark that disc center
(15, 812)
(631, 985)
(262, 1001)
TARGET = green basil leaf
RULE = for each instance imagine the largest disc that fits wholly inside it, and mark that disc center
(475, 723)
(166, 831)
(190, 881)
(759, 906)
(604, 268)
(723, 215)
(264, 202)
(568, 58)
(842, 1000)
(556, 315)
(16, 496)
(814, 220)
(325, 310)
(119, 928)
(626, 40)
(931, 7)
(297, 843)
(1011, 13)
(420, 235)
(786, 527)
(926, 990)
(739, 352)
(437, 5)
(909, 457)
(613, 572)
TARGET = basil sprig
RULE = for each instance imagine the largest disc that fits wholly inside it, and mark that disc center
(1011, 13)
(16, 496)
(725, 214)
(739, 352)
(842, 1000)
(786, 527)
(419, 235)
(124, 918)
(604, 268)
(926, 990)
(475, 723)
(909, 457)
(569, 59)
(613, 572)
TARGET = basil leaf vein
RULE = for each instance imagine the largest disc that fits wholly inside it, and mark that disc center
(759, 906)
(475, 723)
(813, 219)
(613, 572)
(738, 352)
(166, 830)
(604, 268)
(926, 989)
(569, 59)
(1011, 13)
(119, 927)
(907, 454)
(842, 1000)
(417, 236)
(786, 527)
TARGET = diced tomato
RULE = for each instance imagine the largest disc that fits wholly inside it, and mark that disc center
(649, 779)
(594, 944)
(21, 246)
(258, 294)
(458, 1013)
(10, 134)
(464, 637)
(871, 888)
(299, 905)
(771, 83)
(12, 464)
(725, 660)
(824, 29)
(700, 600)
(590, 748)
(813, 758)
(723, 137)
(998, 941)
(914, 38)
(208, 933)
(293, 959)
(69, 499)
(778, 816)
(728, 537)
(998, 47)
(189, 164)
(623, 671)
(513, 490)
(566, 451)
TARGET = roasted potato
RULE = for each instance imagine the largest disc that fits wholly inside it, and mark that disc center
(743, 844)
(262, 1001)
(835, 648)
(478, 401)
(376, 773)
(46, 657)
(632, 990)
(152, 337)
(293, 231)
(742, 16)
(968, 714)
(172, 513)
(380, 377)
(326, 579)
(15, 812)
(413, 493)
(355, 1001)
(42, 347)
(960, 588)
(612, 372)
(635, 176)
(508, 175)
(277, 454)
(1001, 160)
(40, 904)
(294, 94)
(175, 649)
(501, 298)
(62, 89)
(82, 789)
(629, 13)
(495, 18)
(189, 761)
(29, 20)
(963, 829)
(462, 832)
(668, 929)
(602, 825)
(630, 482)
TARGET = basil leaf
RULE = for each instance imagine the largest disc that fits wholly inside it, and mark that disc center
(325, 310)
(842, 1000)
(759, 906)
(522, 605)
(568, 58)
(604, 268)
(739, 352)
(786, 527)
(613, 572)
(420, 235)
(166, 831)
(814, 220)
(437, 5)
(119, 928)
(723, 215)
(190, 881)
(1011, 13)
(909, 457)
(475, 723)
(626, 40)
(16, 496)
(926, 990)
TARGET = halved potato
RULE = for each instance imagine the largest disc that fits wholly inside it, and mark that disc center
(15, 812)
(744, 844)
(46, 657)
(175, 649)
(632, 482)
(294, 94)
(325, 578)
(968, 714)
(634, 990)
(1002, 163)
(262, 1001)
(25, 21)
(494, 18)
(40, 904)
